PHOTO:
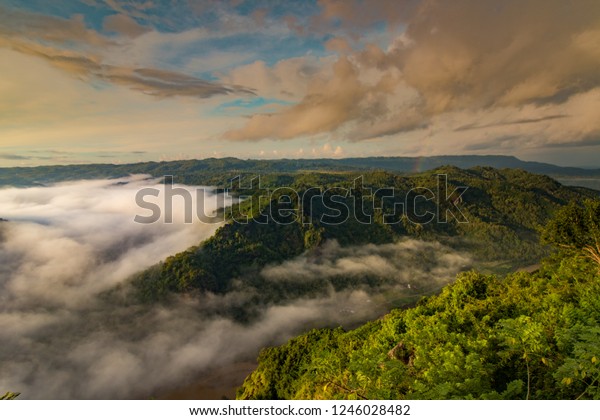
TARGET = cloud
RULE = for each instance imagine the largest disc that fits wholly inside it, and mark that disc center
(18, 24)
(286, 80)
(69, 46)
(386, 77)
(132, 9)
(338, 44)
(529, 131)
(356, 16)
(71, 115)
(326, 107)
(123, 25)
(165, 83)
(63, 235)
(10, 156)
(570, 123)
(452, 58)
(504, 58)
(520, 121)
(68, 333)
(155, 82)
(358, 103)
(413, 265)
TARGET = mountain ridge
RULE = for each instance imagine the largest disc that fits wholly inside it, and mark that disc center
(206, 170)
(504, 209)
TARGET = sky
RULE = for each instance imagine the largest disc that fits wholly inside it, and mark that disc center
(126, 81)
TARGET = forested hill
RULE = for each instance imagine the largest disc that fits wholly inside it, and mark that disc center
(502, 209)
(214, 171)
(525, 336)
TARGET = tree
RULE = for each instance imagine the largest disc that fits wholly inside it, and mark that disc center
(576, 227)
(582, 370)
(525, 338)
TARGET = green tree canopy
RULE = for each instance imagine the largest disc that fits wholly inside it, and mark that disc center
(576, 227)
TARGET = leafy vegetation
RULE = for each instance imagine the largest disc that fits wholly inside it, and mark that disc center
(504, 208)
(576, 228)
(10, 396)
(525, 336)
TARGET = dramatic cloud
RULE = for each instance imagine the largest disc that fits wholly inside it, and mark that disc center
(161, 83)
(67, 242)
(480, 54)
(287, 79)
(327, 105)
(68, 333)
(385, 77)
(68, 45)
(452, 57)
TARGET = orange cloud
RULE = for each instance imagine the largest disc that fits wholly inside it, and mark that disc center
(52, 39)
(328, 104)
(123, 25)
(338, 44)
(454, 57)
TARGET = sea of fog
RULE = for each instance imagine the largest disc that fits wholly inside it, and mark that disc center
(65, 245)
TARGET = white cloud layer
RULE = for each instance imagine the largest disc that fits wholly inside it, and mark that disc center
(66, 244)
(73, 240)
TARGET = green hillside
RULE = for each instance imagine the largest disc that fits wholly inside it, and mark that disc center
(503, 210)
(523, 336)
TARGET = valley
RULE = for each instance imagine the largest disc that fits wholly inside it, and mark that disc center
(213, 306)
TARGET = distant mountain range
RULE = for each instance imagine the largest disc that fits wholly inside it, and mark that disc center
(418, 164)
(207, 170)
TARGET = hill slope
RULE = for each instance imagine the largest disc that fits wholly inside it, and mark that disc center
(503, 210)
(529, 335)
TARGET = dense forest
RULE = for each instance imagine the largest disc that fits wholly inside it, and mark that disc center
(505, 210)
(521, 336)
(493, 333)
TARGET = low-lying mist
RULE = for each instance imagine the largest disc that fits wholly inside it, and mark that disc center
(66, 244)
